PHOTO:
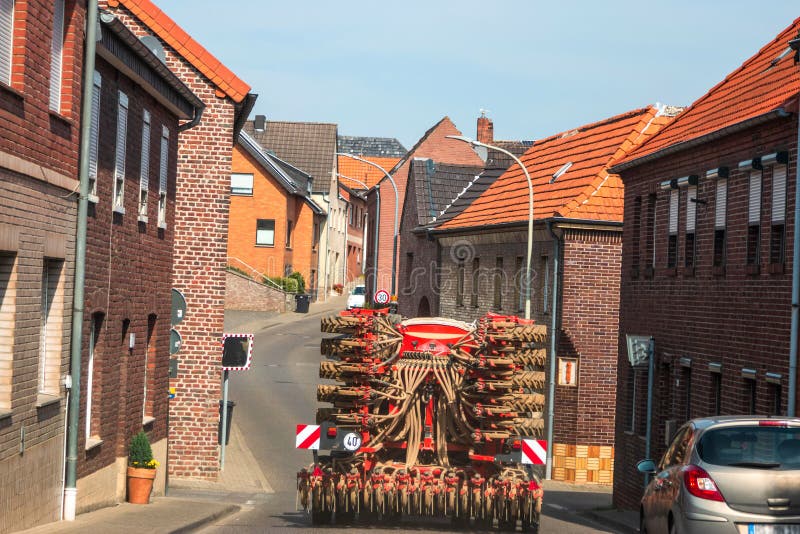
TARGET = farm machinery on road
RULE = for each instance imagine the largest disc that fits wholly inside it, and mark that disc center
(427, 417)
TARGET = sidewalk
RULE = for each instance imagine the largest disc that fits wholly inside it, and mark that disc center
(253, 321)
(589, 500)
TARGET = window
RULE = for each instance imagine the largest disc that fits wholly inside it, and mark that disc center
(686, 375)
(754, 219)
(676, 453)
(545, 285)
(637, 229)
(8, 307)
(265, 232)
(241, 183)
(119, 164)
(720, 216)
(777, 241)
(519, 299)
(776, 393)
(672, 250)
(56, 53)
(6, 39)
(498, 283)
(750, 386)
(162, 178)
(460, 284)
(315, 237)
(476, 267)
(691, 220)
(94, 336)
(149, 367)
(144, 171)
(649, 249)
(716, 390)
(288, 234)
(94, 136)
(51, 329)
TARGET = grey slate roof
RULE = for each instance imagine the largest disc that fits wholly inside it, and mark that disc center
(437, 184)
(499, 160)
(382, 147)
(465, 197)
(310, 146)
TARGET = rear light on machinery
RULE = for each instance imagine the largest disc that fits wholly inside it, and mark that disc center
(700, 484)
(331, 432)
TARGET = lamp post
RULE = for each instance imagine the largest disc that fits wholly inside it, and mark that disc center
(377, 228)
(396, 204)
(475, 144)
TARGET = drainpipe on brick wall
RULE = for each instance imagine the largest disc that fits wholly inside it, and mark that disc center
(790, 411)
(73, 409)
(551, 388)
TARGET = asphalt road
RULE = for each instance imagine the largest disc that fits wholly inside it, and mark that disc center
(278, 392)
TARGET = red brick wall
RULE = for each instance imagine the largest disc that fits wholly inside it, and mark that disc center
(736, 319)
(128, 277)
(242, 293)
(201, 230)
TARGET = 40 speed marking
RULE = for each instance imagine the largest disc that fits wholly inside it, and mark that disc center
(352, 441)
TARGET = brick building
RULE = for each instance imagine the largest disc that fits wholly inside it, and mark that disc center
(435, 145)
(200, 232)
(578, 221)
(40, 87)
(708, 257)
(274, 223)
(311, 146)
(356, 231)
(137, 105)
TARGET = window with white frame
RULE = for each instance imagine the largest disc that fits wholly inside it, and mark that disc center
(265, 232)
(51, 332)
(242, 183)
(144, 170)
(94, 136)
(720, 219)
(56, 54)
(121, 151)
(777, 240)
(162, 178)
(691, 222)
(6, 39)
(8, 307)
(754, 219)
(672, 227)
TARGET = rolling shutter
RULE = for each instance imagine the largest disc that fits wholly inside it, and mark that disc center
(144, 177)
(720, 214)
(779, 193)
(56, 54)
(674, 201)
(754, 199)
(6, 39)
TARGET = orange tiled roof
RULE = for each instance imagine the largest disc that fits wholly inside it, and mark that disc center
(753, 89)
(585, 191)
(183, 43)
(368, 174)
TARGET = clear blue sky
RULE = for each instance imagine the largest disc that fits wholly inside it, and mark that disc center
(393, 69)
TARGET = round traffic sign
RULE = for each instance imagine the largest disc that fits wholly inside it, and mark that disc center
(382, 297)
(352, 441)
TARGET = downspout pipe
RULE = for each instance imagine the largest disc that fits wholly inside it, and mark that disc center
(76, 339)
(794, 44)
(651, 371)
(198, 114)
(551, 386)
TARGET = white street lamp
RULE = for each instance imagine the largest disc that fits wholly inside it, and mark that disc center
(396, 204)
(476, 144)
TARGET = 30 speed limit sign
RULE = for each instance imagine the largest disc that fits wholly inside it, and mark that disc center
(382, 297)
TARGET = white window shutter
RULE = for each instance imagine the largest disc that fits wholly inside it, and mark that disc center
(691, 208)
(720, 214)
(56, 53)
(144, 176)
(162, 183)
(754, 199)
(779, 193)
(94, 133)
(6, 39)
(674, 201)
(122, 136)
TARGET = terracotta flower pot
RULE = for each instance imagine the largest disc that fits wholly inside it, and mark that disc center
(140, 484)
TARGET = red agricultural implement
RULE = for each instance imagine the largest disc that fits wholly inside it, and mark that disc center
(427, 417)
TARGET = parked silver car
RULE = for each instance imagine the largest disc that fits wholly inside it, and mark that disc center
(726, 474)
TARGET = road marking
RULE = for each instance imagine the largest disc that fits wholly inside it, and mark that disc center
(556, 506)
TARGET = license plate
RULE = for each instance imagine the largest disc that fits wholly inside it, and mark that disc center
(773, 529)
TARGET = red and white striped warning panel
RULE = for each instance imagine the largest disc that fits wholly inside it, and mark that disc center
(307, 437)
(534, 451)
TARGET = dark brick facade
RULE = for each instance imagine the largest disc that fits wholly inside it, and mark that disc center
(736, 315)
(38, 178)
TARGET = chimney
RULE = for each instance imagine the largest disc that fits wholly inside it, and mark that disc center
(260, 123)
(485, 129)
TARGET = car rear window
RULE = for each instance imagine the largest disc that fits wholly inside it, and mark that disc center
(359, 290)
(756, 447)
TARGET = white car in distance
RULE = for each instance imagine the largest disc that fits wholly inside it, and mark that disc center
(356, 297)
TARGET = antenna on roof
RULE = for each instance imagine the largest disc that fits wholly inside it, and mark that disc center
(484, 112)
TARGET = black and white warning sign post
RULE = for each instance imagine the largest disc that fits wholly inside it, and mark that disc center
(237, 355)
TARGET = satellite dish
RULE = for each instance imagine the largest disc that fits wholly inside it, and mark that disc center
(154, 45)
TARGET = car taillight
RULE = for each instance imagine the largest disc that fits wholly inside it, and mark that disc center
(700, 484)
